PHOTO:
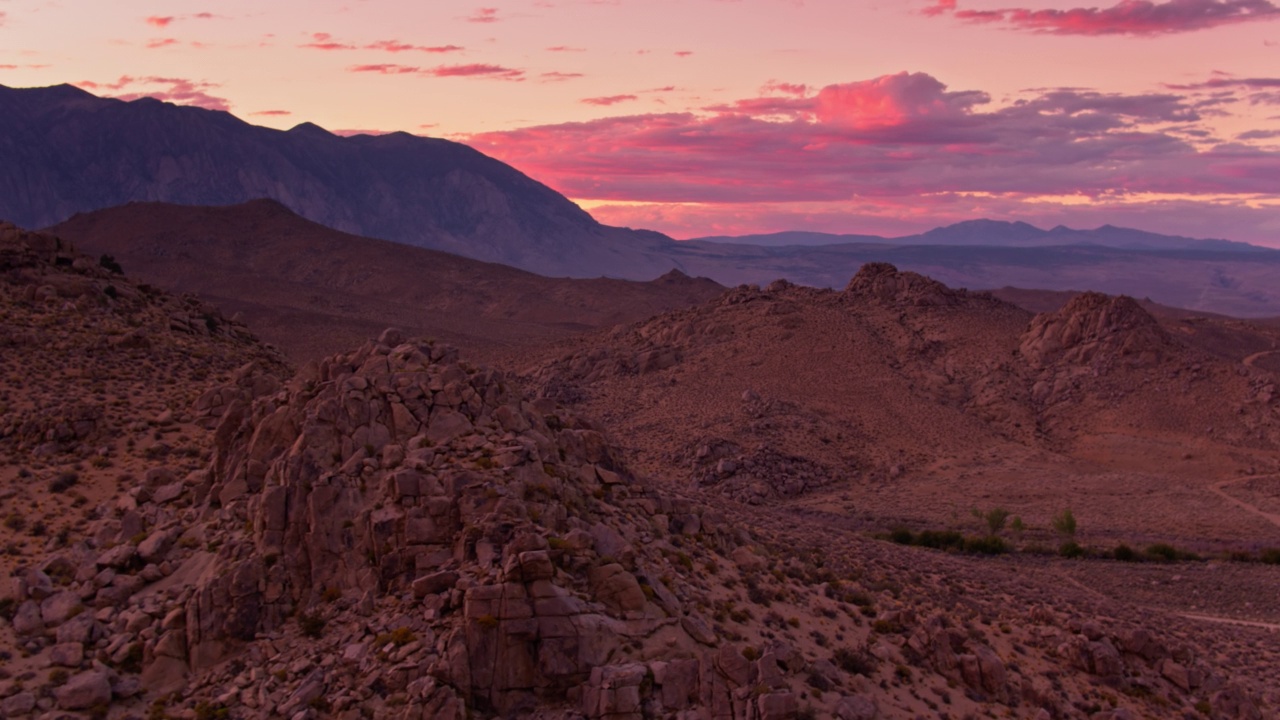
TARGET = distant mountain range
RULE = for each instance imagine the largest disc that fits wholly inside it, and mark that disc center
(994, 233)
(63, 151)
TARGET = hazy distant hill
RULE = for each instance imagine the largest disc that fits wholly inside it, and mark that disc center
(1230, 282)
(999, 234)
(63, 150)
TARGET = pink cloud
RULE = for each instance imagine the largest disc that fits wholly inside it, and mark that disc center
(180, 91)
(565, 48)
(484, 15)
(325, 41)
(273, 113)
(556, 76)
(471, 70)
(940, 7)
(385, 69)
(349, 132)
(683, 53)
(608, 100)
(1127, 17)
(161, 42)
(796, 89)
(395, 46)
(162, 21)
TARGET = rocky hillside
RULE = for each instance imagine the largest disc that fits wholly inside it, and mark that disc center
(394, 532)
(63, 151)
(897, 384)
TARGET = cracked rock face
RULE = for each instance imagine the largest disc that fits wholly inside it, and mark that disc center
(1095, 329)
(397, 471)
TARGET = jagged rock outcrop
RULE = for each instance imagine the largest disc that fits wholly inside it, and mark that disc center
(885, 283)
(524, 547)
(1096, 329)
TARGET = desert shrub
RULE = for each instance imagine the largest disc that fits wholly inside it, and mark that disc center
(109, 263)
(988, 545)
(1124, 553)
(854, 662)
(1162, 552)
(818, 682)
(402, 636)
(996, 518)
(311, 624)
(941, 539)
(1071, 549)
(1270, 556)
(211, 711)
(64, 481)
(902, 536)
(1064, 523)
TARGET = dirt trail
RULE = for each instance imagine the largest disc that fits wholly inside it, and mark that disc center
(1254, 357)
(1217, 489)
(1230, 621)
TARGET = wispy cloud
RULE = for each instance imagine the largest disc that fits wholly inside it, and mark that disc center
(164, 21)
(481, 70)
(556, 76)
(161, 43)
(1256, 91)
(1128, 17)
(608, 100)
(325, 41)
(272, 113)
(395, 46)
(565, 49)
(180, 91)
(484, 15)
(476, 70)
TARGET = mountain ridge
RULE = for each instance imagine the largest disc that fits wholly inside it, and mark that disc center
(65, 150)
(984, 232)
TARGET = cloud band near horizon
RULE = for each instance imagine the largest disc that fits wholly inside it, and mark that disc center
(898, 141)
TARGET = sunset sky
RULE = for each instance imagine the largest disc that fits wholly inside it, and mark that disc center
(698, 117)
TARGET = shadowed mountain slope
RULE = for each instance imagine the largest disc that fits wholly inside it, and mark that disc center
(313, 290)
(63, 150)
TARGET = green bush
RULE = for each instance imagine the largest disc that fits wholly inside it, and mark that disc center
(902, 536)
(1124, 553)
(1270, 556)
(941, 539)
(1071, 549)
(1065, 524)
(988, 545)
(1162, 552)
